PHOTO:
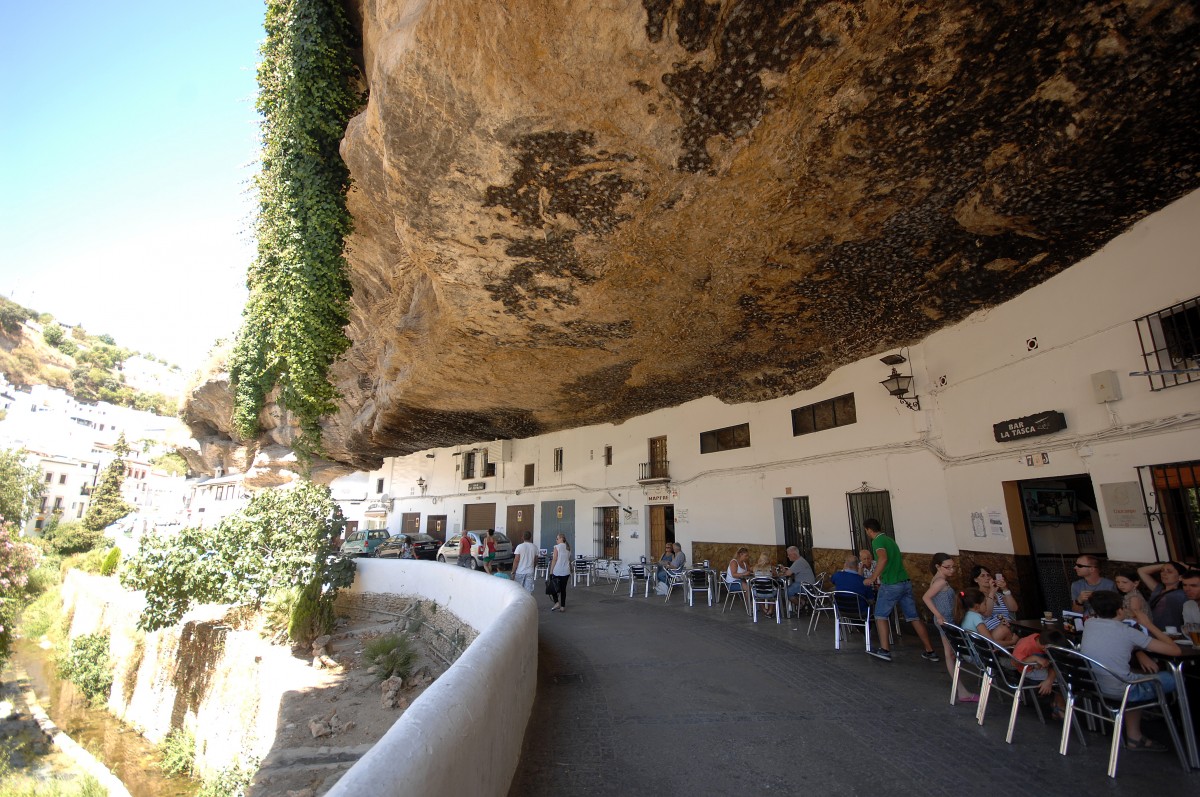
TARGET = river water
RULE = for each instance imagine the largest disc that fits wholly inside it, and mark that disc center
(124, 751)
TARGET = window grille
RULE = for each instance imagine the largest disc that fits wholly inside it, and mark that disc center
(1170, 341)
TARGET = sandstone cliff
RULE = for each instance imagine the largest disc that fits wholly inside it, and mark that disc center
(571, 211)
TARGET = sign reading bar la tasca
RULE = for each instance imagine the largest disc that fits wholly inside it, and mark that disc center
(1047, 422)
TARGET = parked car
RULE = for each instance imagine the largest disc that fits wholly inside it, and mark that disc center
(364, 542)
(423, 546)
(504, 550)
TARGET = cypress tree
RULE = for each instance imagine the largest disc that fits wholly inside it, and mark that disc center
(107, 505)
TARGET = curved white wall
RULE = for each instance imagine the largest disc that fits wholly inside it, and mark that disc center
(464, 734)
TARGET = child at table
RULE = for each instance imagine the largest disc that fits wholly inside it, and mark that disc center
(978, 609)
(1031, 650)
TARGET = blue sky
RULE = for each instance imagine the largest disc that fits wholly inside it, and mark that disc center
(127, 151)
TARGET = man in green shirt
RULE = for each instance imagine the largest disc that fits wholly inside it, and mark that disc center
(894, 588)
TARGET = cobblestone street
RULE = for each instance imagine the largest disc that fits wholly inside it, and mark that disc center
(638, 696)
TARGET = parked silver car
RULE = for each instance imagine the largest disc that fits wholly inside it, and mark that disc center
(504, 550)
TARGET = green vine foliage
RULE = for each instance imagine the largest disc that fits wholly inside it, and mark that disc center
(293, 325)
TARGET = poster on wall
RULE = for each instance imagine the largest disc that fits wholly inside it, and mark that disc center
(681, 516)
(995, 523)
(978, 526)
(1123, 508)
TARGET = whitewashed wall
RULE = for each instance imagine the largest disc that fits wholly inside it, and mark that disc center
(939, 464)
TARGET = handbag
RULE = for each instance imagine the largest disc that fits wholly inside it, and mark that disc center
(551, 587)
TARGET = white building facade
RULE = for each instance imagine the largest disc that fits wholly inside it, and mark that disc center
(1032, 443)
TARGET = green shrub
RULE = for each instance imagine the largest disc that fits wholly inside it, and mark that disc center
(312, 614)
(71, 537)
(393, 654)
(230, 782)
(109, 565)
(88, 667)
(277, 612)
(88, 561)
(178, 752)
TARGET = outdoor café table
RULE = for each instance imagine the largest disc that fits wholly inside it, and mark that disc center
(1190, 659)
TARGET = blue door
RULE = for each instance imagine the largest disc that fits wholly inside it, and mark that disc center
(558, 517)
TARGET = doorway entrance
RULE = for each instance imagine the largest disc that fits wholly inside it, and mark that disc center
(1054, 520)
(797, 526)
(867, 503)
(519, 521)
(435, 526)
(662, 529)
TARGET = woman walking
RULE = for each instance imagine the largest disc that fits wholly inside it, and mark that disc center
(942, 599)
(560, 571)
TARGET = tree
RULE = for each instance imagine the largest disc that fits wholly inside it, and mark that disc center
(107, 505)
(53, 334)
(17, 560)
(71, 537)
(20, 486)
(283, 539)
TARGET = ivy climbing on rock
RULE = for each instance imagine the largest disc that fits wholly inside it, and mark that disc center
(293, 325)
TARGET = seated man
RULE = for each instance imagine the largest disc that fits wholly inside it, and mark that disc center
(1110, 642)
(1191, 588)
(672, 559)
(801, 573)
(866, 563)
(1087, 567)
(848, 579)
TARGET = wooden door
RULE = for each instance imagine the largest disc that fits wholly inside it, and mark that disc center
(658, 458)
(479, 517)
(662, 529)
(519, 521)
(410, 523)
(435, 526)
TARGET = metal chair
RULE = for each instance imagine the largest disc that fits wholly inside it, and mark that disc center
(1005, 673)
(765, 592)
(582, 570)
(697, 581)
(1078, 674)
(850, 611)
(966, 660)
(633, 573)
(820, 601)
(675, 578)
(733, 589)
(541, 565)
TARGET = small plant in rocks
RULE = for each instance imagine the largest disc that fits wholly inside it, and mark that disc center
(392, 654)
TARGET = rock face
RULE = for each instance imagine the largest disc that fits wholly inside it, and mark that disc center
(578, 211)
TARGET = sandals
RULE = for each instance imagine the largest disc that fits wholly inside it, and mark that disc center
(1145, 743)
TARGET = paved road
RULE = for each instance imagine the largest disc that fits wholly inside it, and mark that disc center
(636, 696)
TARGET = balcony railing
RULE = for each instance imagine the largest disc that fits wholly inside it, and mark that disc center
(658, 470)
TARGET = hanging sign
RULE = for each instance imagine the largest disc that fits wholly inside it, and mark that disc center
(1042, 423)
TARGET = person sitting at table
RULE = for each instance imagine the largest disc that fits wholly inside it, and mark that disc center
(1166, 598)
(848, 579)
(979, 608)
(763, 566)
(672, 559)
(1110, 642)
(1129, 584)
(1087, 567)
(866, 563)
(1031, 650)
(1000, 598)
(801, 573)
(1191, 591)
(739, 570)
